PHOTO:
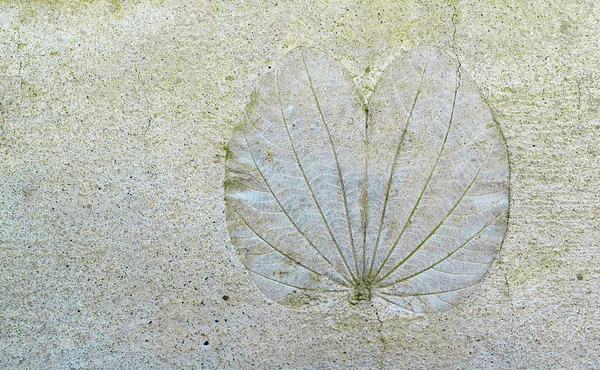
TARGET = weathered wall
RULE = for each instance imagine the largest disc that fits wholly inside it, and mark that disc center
(114, 119)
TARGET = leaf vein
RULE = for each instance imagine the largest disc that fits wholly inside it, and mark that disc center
(426, 184)
(308, 183)
(339, 172)
(448, 256)
(393, 166)
(285, 212)
(440, 223)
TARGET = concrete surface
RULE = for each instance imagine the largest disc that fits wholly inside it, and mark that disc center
(114, 118)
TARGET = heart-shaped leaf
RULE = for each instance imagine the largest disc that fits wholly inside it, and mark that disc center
(405, 201)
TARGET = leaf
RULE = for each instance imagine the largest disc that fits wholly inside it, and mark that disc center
(406, 203)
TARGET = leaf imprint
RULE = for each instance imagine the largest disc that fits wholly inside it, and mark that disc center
(410, 208)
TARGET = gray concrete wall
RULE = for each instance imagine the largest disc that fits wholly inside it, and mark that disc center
(114, 118)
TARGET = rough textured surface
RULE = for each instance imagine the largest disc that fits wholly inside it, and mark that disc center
(113, 122)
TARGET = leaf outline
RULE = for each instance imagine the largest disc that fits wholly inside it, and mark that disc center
(359, 278)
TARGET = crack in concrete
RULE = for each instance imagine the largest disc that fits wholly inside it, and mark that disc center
(381, 337)
(455, 30)
(579, 101)
(20, 73)
(511, 326)
(508, 290)
(453, 46)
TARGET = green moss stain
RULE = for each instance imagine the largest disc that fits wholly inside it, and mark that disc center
(117, 9)
(30, 90)
(29, 9)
